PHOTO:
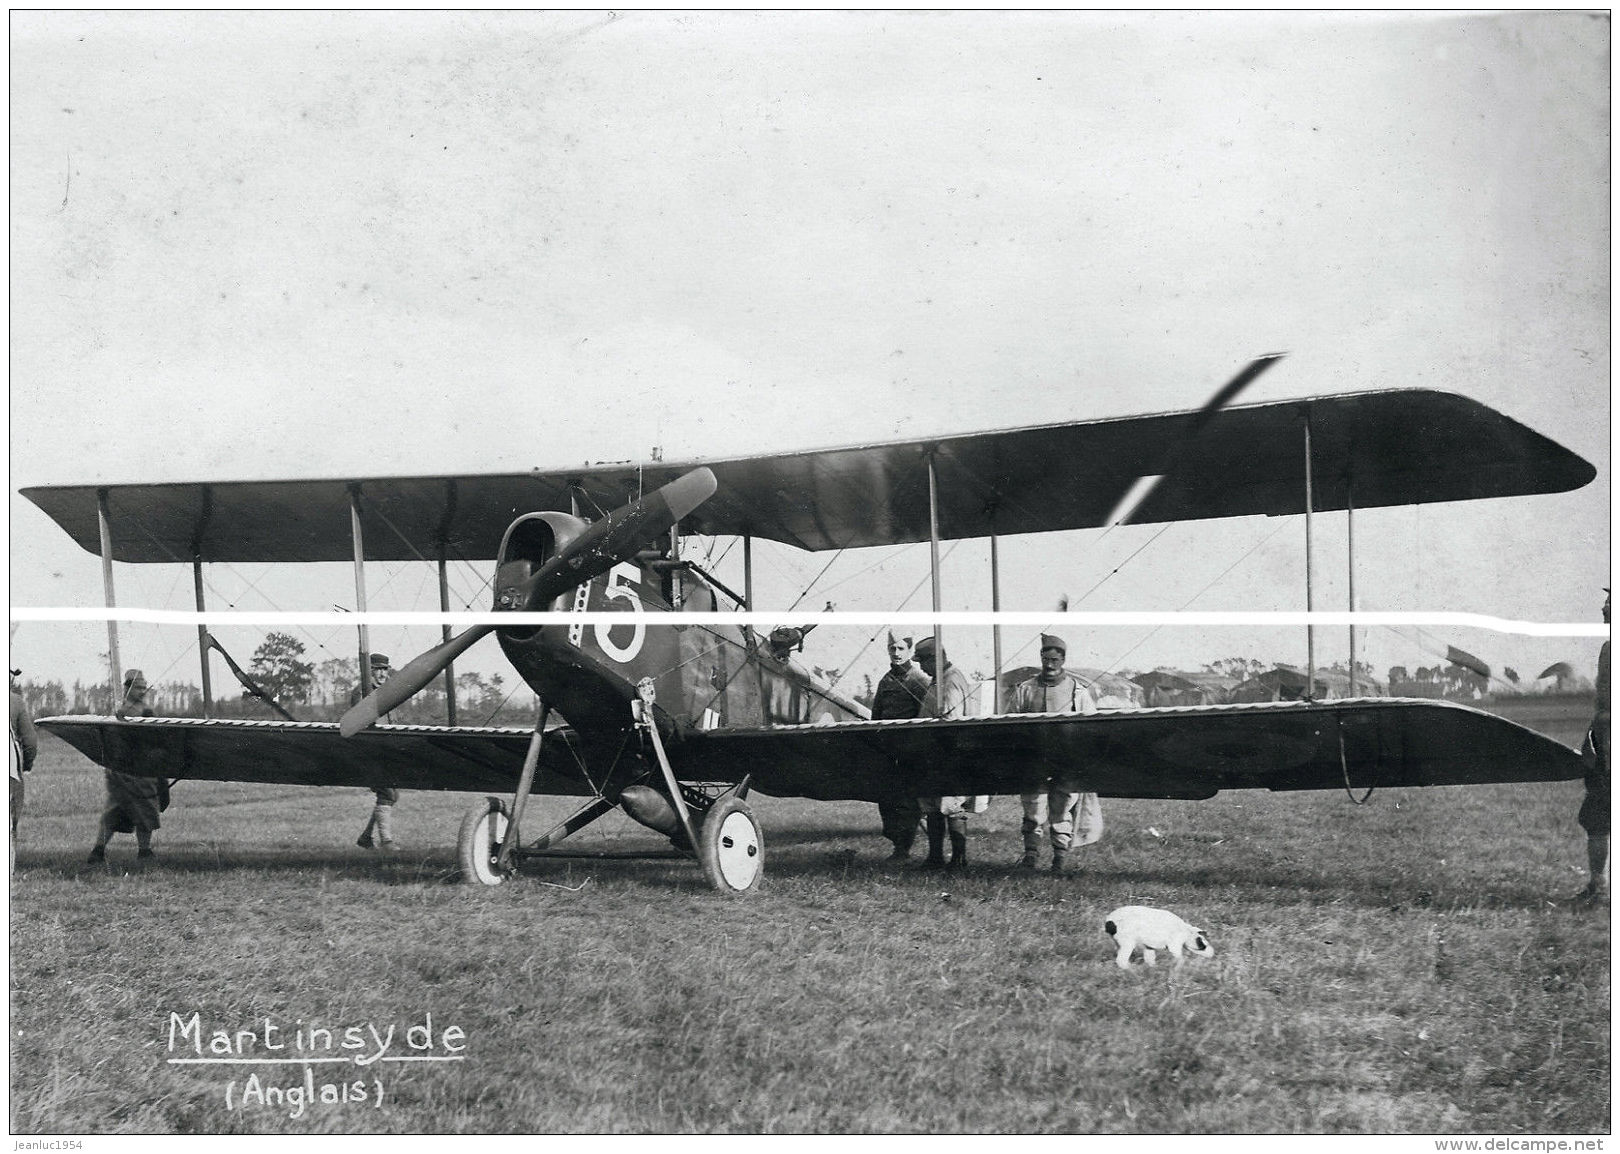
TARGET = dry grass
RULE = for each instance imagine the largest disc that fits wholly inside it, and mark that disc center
(1391, 968)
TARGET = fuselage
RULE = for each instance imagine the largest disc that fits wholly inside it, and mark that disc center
(705, 676)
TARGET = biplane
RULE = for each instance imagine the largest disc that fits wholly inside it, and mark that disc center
(674, 721)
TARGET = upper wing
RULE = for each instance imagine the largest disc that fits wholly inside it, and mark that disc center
(1181, 752)
(1395, 447)
(313, 753)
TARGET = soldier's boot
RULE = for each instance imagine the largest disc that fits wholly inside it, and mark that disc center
(958, 828)
(1597, 856)
(936, 842)
(98, 852)
(1060, 860)
(903, 841)
(384, 815)
(1031, 830)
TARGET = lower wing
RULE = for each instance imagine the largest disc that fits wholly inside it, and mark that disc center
(1187, 752)
(314, 753)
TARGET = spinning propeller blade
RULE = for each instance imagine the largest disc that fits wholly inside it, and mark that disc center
(1143, 488)
(617, 537)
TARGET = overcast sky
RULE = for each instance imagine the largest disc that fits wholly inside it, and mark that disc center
(322, 245)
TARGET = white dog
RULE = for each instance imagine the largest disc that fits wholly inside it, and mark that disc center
(1153, 929)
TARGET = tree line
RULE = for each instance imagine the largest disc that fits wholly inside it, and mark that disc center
(320, 691)
(310, 691)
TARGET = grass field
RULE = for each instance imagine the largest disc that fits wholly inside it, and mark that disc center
(1394, 967)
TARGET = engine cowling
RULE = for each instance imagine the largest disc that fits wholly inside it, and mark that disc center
(529, 542)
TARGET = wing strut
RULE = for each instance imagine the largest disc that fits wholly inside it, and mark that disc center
(748, 571)
(104, 524)
(1350, 569)
(1310, 594)
(995, 630)
(359, 539)
(198, 533)
(444, 633)
(933, 559)
(204, 642)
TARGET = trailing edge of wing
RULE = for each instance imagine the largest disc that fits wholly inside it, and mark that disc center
(1395, 447)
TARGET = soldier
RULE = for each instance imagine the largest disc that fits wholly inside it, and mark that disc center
(1594, 815)
(899, 696)
(1057, 804)
(24, 749)
(133, 801)
(946, 697)
(382, 813)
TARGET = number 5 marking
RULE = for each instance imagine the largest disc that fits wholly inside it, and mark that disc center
(621, 585)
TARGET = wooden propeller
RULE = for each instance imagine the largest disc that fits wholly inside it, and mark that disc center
(617, 537)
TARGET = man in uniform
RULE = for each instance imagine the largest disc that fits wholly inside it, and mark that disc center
(133, 800)
(381, 822)
(899, 696)
(24, 749)
(946, 697)
(1057, 804)
(1594, 815)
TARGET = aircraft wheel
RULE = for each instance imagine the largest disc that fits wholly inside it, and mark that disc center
(732, 847)
(479, 846)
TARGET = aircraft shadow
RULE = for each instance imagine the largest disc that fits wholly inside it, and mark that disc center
(401, 869)
(661, 868)
(1276, 886)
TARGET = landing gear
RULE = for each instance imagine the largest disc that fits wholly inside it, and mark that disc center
(731, 847)
(721, 829)
(728, 842)
(478, 849)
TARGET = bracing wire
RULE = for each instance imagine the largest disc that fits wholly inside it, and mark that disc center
(1257, 545)
(813, 581)
(1168, 526)
(849, 666)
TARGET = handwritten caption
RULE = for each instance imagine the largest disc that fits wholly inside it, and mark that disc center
(364, 1046)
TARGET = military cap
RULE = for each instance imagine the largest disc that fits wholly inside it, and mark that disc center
(379, 660)
(1053, 641)
(133, 676)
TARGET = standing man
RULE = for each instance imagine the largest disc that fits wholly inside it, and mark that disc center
(946, 697)
(382, 813)
(899, 696)
(1058, 804)
(24, 748)
(133, 801)
(1594, 815)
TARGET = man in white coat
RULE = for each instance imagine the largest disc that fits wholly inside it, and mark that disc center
(1073, 816)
